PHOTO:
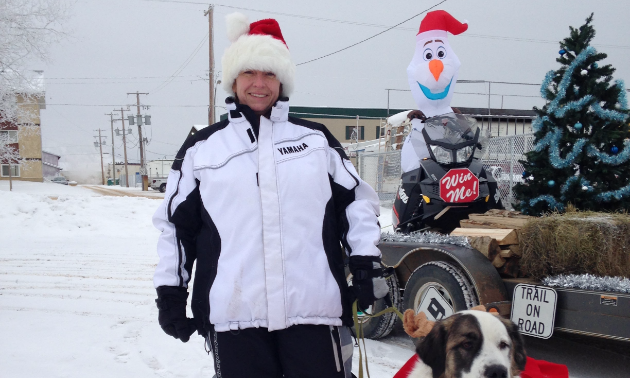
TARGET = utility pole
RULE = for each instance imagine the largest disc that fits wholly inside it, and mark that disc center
(111, 122)
(210, 13)
(122, 119)
(143, 166)
(100, 147)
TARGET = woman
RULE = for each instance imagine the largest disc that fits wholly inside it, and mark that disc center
(262, 201)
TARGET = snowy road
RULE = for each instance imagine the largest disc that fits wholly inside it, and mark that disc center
(76, 291)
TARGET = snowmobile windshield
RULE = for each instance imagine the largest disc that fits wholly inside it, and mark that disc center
(452, 139)
(450, 128)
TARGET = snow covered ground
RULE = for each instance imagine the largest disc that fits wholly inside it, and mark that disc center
(76, 291)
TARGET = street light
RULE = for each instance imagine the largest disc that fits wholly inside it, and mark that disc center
(215, 98)
(217, 81)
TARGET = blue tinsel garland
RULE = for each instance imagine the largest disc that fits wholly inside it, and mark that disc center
(566, 78)
(622, 99)
(546, 83)
(611, 115)
(614, 194)
(552, 139)
(569, 182)
(573, 105)
(614, 160)
(539, 122)
(553, 204)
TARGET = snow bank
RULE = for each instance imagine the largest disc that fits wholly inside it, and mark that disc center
(45, 188)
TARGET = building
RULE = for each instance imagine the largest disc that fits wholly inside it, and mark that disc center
(346, 124)
(159, 168)
(133, 170)
(502, 122)
(25, 134)
(50, 165)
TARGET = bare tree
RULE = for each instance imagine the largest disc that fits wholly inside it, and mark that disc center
(27, 29)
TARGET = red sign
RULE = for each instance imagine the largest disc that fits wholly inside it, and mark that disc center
(459, 185)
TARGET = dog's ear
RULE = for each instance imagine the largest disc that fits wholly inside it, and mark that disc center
(518, 346)
(432, 349)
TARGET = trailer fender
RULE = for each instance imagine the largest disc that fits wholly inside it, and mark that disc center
(406, 257)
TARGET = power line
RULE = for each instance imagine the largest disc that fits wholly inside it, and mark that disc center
(355, 23)
(375, 35)
(184, 65)
(110, 105)
(113, 78)
(121, 82)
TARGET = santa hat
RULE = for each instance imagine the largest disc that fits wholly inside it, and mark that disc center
(443, 21)
(257, 46)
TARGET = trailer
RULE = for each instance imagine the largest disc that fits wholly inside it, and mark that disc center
(440, 279)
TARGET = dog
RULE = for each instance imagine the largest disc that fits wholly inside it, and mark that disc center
(471, 344)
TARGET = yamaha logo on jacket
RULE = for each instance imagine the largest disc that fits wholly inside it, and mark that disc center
(292, 149)
(263, 205)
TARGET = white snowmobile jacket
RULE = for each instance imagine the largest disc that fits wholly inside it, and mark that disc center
(263, 215)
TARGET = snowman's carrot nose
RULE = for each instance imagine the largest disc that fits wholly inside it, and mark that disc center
(436, 67)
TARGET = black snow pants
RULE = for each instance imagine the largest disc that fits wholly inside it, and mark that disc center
(300, 351)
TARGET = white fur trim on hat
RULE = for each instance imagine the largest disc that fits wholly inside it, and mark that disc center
(260, 53)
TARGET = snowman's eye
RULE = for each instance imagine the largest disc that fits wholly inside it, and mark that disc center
(428, 54)
(441, 52)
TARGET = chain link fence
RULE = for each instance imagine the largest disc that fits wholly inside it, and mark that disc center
(500, 156)
(381, 170)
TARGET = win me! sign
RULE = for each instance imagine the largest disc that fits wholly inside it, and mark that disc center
(534, 310)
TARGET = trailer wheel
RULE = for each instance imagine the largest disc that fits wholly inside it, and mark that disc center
(162, 188)
(376, 328)
(439, 289)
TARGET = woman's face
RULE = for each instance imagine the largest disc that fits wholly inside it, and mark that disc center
(256, 89)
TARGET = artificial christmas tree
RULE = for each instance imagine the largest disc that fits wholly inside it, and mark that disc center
(581, 153)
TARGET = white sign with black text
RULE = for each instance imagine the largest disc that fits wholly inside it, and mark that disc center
(534, 310)
(434, 305)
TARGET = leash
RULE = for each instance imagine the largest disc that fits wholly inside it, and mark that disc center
(361, 336)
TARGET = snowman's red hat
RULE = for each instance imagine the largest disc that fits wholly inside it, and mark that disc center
(443, 21)
(257, 46)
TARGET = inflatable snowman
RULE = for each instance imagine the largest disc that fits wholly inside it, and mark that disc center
(432, 76)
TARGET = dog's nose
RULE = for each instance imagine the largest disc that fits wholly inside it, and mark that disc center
(495, 371)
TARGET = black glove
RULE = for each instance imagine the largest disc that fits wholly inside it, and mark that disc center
(171, 302)
(368, 281)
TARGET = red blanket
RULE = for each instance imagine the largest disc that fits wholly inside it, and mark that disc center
(533, 369)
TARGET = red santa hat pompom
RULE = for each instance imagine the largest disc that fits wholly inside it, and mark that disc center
(257, 46)
(442, 20)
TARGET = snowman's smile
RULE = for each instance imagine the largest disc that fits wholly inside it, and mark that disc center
(435, 96)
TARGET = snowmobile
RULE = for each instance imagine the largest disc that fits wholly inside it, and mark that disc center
(450, 182)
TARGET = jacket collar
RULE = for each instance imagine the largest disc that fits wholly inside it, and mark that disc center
(280, 110)
(238, 113)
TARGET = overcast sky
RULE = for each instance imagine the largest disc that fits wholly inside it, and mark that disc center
(161, 47)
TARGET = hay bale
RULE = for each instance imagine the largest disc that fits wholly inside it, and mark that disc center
(576, 243)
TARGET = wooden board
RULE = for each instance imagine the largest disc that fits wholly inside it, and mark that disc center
(496, 222)
(502, 236)
(516, 250)
(506, 253)
(507, 213)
